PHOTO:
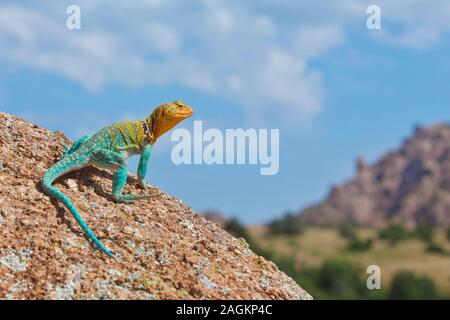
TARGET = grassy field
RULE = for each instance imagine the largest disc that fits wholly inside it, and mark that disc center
(316, 245)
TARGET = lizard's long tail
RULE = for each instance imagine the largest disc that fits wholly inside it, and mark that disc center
(60, 168)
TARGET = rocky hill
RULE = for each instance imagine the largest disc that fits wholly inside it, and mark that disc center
(410, 185)
(163, 250)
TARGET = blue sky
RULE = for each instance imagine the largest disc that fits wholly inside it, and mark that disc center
(335, 89)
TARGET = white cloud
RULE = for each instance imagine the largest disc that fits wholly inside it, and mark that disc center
(160, 37)
(31, 39)
(256, 52)
(317, 40)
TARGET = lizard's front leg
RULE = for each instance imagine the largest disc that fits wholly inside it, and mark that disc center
(142, 168)
(110, 159)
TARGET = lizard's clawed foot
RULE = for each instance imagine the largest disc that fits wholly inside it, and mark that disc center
(145, 185)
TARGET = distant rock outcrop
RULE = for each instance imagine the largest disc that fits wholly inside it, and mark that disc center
(410, 185)
(163, 250)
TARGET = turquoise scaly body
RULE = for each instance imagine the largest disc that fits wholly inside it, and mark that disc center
(109, 148)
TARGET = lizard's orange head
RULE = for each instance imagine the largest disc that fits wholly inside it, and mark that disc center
(167, 116)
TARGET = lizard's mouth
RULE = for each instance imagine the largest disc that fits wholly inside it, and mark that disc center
(186, 114)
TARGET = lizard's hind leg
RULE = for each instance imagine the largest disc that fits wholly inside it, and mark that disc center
(111, 160)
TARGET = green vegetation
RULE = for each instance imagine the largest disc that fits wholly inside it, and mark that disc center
(394, 234)
(347, 231)
(330, 263)
(424, 232)
(303, 257)
(406, 285)
(237, 229)
(356, 244)
(435, 247)
(339, 280)
(288, 224)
